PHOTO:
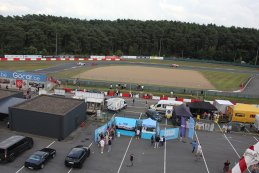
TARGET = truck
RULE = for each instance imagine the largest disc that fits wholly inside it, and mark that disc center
(161, 105)
(116, 104)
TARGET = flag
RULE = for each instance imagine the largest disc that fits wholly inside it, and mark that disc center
(191, 128)
(183, 127)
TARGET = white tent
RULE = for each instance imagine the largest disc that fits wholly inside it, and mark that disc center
(222, 105)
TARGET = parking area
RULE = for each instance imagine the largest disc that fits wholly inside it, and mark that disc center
(174, 156)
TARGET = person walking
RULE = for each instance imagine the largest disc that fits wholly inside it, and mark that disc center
(109, 144)
(194, 143)
(102, 143)
(137, 134)
(157, 141)
(133, 101)
(152, 140)
(161, 141)
(131, 160)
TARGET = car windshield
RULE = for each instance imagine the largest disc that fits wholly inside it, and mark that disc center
(35, 157)
(75, 153)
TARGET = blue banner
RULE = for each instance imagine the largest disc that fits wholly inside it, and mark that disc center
(98, 131)
(23, 76)
(191, 128)
(183, 127)
(171, 133)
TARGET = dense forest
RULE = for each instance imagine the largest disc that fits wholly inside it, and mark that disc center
(37, 34)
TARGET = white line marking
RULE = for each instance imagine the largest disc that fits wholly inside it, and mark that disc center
(127, 150)
(19, 169)
(231, 144)
(72, 168)
(255, 139)
(50, 144)
(133, 112)
(202, 154)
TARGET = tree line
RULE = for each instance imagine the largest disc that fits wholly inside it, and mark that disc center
(39, 34)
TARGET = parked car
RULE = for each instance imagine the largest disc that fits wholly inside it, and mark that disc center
(38, 159)
(174, 65)
(154, 115)
(77, 156)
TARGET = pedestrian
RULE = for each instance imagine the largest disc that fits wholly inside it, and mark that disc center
(194, 143)
(109, 144)
(152, 140)
(131, 160)
(229, 128)
(137, 134)
(133, 101)
(157, 141)
(111, 86)
(102, 145)
(161, 141)
(146, 104)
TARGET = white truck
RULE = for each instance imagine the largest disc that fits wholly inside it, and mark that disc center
(161, 105)
(116, 104)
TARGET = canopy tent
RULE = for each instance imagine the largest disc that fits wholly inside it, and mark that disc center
(125, 123)
(5, 104)
(201, 107)
(149, 123)
(182, 111)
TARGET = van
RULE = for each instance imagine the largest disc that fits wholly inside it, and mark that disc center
(161, 105)
(116, 104)
(13, 146)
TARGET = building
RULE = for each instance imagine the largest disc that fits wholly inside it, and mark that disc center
(50, 116)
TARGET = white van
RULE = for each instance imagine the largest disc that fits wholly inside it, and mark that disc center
(161, 105)
(116, 104)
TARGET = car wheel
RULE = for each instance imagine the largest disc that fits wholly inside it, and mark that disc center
(41, 166)
(53, 155)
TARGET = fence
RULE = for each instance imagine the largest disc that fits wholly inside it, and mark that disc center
(154, 88)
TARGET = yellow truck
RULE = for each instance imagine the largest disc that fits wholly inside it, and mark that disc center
(244, 113)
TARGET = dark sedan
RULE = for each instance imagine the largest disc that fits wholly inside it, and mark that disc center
(77, 156)
(154, 115)
(38, 159)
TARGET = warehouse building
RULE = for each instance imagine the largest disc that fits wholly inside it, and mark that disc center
(50, 116)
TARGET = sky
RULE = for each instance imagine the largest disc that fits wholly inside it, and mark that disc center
(241, 13)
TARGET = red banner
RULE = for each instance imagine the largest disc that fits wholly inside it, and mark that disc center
(19, 83)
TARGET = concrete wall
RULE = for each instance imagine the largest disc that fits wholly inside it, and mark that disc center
(38, 123)
(73, 119)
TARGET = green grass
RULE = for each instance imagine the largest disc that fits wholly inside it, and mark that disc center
(26, 65)
(225, 81)
(71, 73)
(195, 64)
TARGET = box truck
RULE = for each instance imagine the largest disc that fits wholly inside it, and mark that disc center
(116, 104)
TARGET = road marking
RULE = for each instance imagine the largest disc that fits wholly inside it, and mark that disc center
(255, 139)
(127, 149)
(253, 136)
(72, 167)
(19, 169)
(46, 147)
(50, 144)
(133, 112)
(231, 144)
(202, 154)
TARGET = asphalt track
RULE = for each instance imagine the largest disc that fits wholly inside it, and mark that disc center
(252, 87)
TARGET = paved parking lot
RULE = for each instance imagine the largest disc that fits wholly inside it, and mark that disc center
(175, 156)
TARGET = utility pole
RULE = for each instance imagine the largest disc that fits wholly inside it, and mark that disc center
(256, 55)
(56, 43)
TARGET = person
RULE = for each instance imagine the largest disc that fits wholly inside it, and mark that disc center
(229, 128)
(137, 134)
(111, 86)
(198, 153)
(161, 141)
(131, 160)
(254, 169)
(194, 143)
(152, 140)
(102, 145)
(157, 141)
(109, 144)
(226, 166)
(133, 101)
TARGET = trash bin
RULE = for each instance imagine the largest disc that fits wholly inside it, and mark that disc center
(118, 134)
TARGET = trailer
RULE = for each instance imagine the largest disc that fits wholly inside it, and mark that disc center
(116, 104)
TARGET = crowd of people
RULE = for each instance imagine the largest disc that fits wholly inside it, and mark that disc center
(106, 138)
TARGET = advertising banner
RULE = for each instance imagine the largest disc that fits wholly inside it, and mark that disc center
(143, 57)
(157, 57)
(191, 128)
(169, 134)
(23, 76)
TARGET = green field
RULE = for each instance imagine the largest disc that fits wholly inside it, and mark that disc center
(26, 65)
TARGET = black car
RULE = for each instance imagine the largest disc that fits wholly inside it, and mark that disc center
(77, 156)
(154, 115)
(38, 159)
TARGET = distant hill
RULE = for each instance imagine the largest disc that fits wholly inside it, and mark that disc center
(36, 34)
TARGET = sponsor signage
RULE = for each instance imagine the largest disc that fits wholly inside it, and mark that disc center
(23, 76)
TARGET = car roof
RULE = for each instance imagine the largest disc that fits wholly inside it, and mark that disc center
(10, 141)
(40, 153)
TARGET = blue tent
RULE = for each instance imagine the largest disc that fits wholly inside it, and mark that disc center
(149, 123)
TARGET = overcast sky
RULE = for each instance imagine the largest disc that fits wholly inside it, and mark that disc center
(243, 13)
